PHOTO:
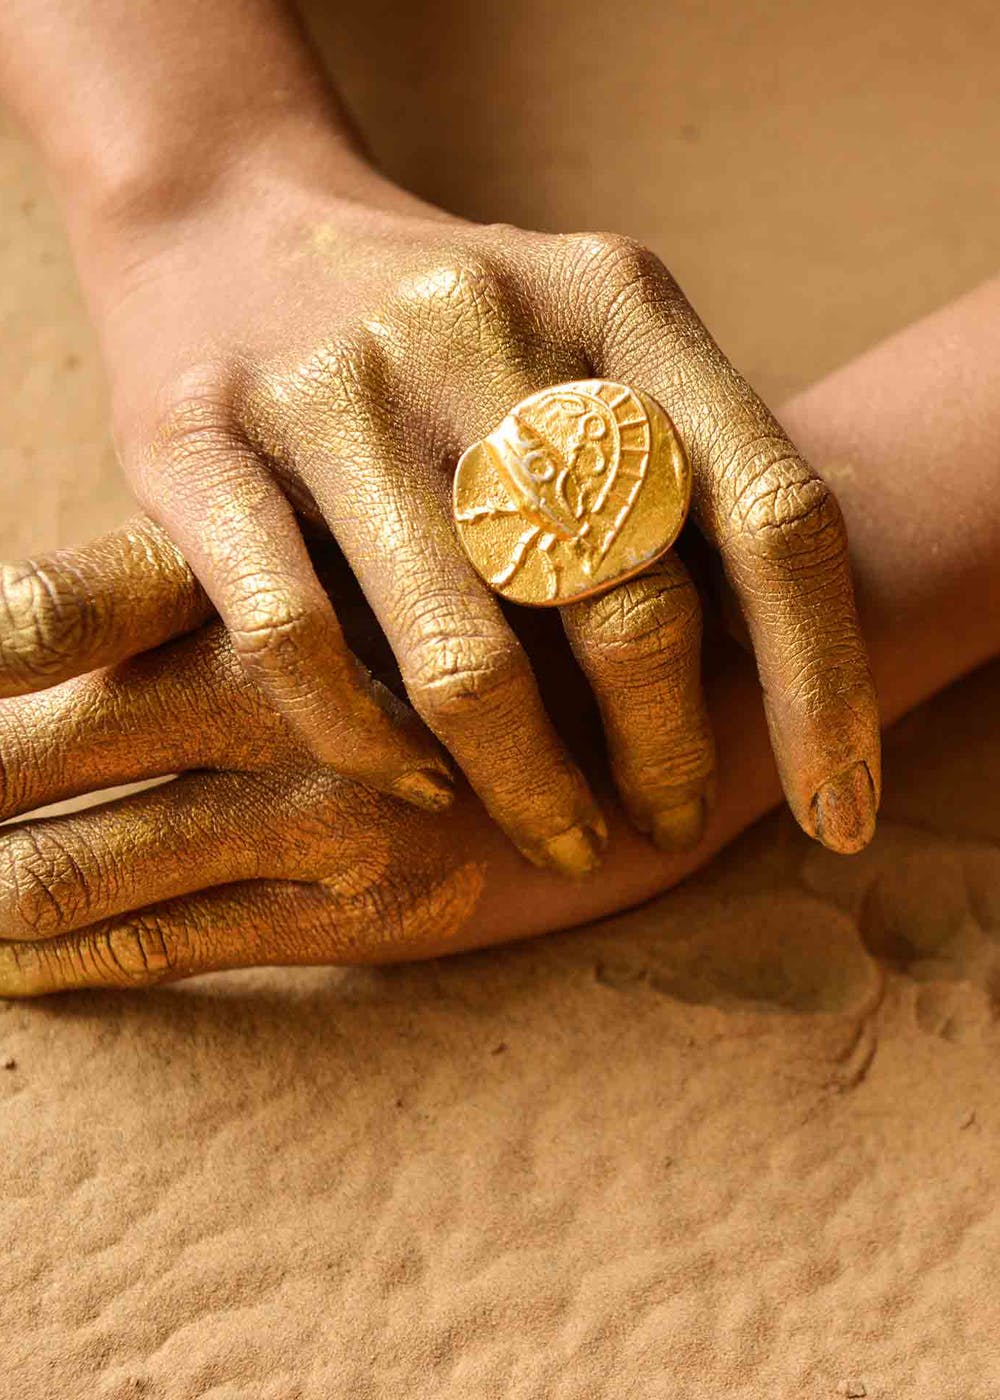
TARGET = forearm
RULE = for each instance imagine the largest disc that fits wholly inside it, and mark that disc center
(908, 435)
(137, 105)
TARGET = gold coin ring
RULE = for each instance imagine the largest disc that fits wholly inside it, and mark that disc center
(581, 486)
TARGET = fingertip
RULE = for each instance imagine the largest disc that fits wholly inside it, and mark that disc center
(430, 789)
(679, 827)
(576, 852)
(843, 811)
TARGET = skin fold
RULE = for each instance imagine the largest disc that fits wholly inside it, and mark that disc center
(259, 853)
(291, 340)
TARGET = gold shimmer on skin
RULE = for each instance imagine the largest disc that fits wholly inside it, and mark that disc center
(291, 338)
(327, 346)
(572, 495)
(257, 852)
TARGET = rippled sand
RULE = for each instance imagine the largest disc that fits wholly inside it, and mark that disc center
(741, 1142)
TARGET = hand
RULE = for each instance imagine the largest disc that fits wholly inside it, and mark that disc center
(276, 350)
(257, 852)
(70, 887)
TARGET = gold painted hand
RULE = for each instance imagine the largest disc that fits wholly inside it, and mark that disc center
(255, 853)
(288, 334)
(374, 879)
(336, 356)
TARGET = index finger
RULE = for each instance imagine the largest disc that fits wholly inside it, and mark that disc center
(220, 504)
(783, 544)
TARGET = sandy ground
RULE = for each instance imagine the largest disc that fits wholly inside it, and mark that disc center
(739, 1143)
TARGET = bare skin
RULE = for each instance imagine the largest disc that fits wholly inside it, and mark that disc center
(291, 338)
(259, 854)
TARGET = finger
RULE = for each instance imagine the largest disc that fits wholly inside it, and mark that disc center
(221, 506)
(256, 923)
(465, 672)
(68, 612)
(186, 705)
(238, 925)
(782, 541)
(206, 829)
(376, 450)
(639, 646)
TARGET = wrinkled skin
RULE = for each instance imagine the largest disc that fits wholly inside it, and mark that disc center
(252, 811)
(336, 356)
(142, 890)
(257, 852)
(290, 337)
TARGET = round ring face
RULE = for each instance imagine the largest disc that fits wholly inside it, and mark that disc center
(581, 486)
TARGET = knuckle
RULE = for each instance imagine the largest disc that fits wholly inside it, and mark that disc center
(269, 623)
(134, 953)
(195, 429)
(46, 887)
(834, 673)
(468, 298)
(451, 679)
(199, 401)
(468, 278)
(630, 303)
(342, 377)
(649, 619)
(45, 623)
(622, 268)
(616, 250)
(788, 515)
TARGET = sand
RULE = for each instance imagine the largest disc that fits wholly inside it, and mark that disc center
(739, 1143)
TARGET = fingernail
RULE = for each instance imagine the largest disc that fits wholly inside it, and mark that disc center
(679, 828)
(576, 852)
(844, 810)
(427, 788)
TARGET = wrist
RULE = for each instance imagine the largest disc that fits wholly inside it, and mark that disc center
(138, 107)
(278, 176)
(157, 178)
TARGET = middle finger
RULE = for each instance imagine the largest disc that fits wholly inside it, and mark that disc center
(380, 475)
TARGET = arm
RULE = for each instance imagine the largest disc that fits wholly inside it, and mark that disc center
(288, 336)
(140, 109)
(909, 435)
(377, 882)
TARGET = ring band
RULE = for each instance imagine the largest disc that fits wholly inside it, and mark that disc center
(581, 486)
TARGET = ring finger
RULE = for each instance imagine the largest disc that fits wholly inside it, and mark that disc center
(639, 646)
